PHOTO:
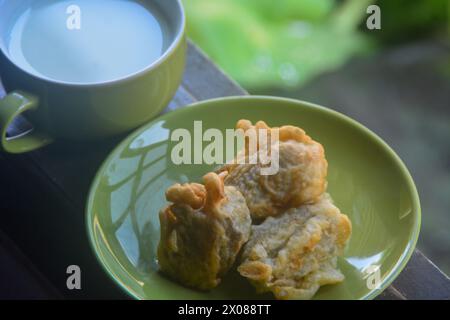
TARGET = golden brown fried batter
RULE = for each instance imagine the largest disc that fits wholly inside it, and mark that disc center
(202, 231)
(295, 253)
(301, 178)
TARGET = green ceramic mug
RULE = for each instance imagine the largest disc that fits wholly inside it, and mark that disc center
(77, 110)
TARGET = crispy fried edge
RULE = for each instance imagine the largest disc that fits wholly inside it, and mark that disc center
(207, 196)
(285, 132)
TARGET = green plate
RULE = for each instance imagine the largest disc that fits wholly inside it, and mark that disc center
(367, 180)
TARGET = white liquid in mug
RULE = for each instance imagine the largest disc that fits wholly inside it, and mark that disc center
(114, 39)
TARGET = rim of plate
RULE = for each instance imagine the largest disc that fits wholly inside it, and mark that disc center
(387, 280)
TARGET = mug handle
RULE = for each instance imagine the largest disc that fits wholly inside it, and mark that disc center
(11, 106)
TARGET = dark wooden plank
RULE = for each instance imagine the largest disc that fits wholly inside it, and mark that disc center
(19, 278)
(50, 231)
(421, 279)
(205, 80)
(182, 98)
(390, 294)
(59, 167)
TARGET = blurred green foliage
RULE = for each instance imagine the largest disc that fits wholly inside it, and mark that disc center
(404, 20)
(263, 43)
(268, 43)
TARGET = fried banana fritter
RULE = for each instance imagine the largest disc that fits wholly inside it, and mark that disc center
(202, 231)
(301, 178)
(295, 253)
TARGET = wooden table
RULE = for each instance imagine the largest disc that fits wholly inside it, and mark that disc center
(42, 206)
